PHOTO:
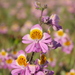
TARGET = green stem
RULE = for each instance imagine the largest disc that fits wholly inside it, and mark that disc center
(41, 16)
(31, 58)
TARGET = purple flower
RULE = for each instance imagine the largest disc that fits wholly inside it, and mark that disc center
(53, 20)
(45, 72)
(37, 40)
(54, 44)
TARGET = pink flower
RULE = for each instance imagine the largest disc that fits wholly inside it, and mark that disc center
(67, 45)
(64, 40)
(37, 40)
(52, 62)
(20, 65)
(8, 62)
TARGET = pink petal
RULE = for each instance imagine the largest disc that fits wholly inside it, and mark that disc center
(30, 48)
(45, 36)
(15, 71)
(14, 65)
(21, 52)
(44, 47)
(32, 68)
(36, 26)
(47, 41)
(27, 39)
(27, 72)
(40, 73)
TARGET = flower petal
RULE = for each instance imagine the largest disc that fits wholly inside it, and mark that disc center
(14, 65)
(32, 68)
(40, 73)
(46, 38)
(27, 39)
(15, 71)
(37, 26)
(44, 47)
(27, 72)
(30, 48)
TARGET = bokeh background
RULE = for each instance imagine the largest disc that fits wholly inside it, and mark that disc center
(18, 16)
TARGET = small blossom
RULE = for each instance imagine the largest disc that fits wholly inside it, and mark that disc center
(37, 40)
(52, 62)
(20, 65)
(72, 72)
(53, 20)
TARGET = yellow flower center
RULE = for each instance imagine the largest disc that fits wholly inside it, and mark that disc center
(36, 34)
(67, 73)
(51, 59)
(3, 53)
(9, 61)
(21, 60)
(60, 33)
(42, 59)
(14, 52)
(72, 73)
(67, 43)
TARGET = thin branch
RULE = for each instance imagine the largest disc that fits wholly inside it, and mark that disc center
(31, 57)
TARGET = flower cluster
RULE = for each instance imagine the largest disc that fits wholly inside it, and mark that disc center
(38, 42)
(64, 39)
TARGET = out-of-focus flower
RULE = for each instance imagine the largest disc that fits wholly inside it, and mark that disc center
(59, 34)
(52, 62)
(14, 54)
(19, 4)
(5, 5)
(72, 72)
(9, 61)
(37, 40)
(3, 54)
(2, 63)
(21, 14)
(67, 45)
(13, 11)
(3, 29)
(28, 24)
(15, 27)
(64, 40)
